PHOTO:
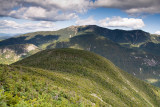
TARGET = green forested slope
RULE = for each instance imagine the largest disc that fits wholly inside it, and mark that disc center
(136, 51)
(69, 77)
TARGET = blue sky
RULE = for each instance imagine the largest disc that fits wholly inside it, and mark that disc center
(17, 16)
(151, 21)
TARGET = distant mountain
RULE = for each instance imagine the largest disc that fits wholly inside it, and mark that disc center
(151, 47)
(13, 53)
(118, 36)
(72, 78)
(6, 36)
(126, 49)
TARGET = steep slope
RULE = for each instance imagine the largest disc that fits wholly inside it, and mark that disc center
(155, 38)
(136, 62)
(118, 36)
(126, 49)
(47, 37)
(151, 47)
(13, 53)
(40, 39)
(70, 76)
(36, 40)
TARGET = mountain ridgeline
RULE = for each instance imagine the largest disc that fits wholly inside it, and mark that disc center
(136, 51)
(72, 78)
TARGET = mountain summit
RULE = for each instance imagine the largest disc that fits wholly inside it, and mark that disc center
(135, 51)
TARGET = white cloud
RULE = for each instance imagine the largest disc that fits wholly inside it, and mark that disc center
(122, 22)
(10, 26)
(157, 32)
(46, 10)
(132, 23)
(131, 6)
(55, 10)
(14, 27)
(38, 13)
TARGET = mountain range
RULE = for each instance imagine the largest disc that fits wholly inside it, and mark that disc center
(136, 51)
(72, 78)
(5, 36)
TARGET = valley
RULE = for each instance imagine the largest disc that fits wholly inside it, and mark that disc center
(136, 52)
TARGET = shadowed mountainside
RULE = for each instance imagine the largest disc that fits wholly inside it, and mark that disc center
(136, 51)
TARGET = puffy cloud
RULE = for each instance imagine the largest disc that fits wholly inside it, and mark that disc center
(47, 10)
(122, 22)
(157, 32)
(55, 10)
(38, 13)
(5, 24)
(131, 6)
(14, 27)
(132, 23)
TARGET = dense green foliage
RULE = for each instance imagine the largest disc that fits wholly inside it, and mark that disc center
(136, 62)
(136, 51)
(94, 80)
(27, 87)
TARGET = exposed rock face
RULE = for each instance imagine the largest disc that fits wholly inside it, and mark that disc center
(136, 51)
(150, 62)
(12, 53)
(31, 47)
